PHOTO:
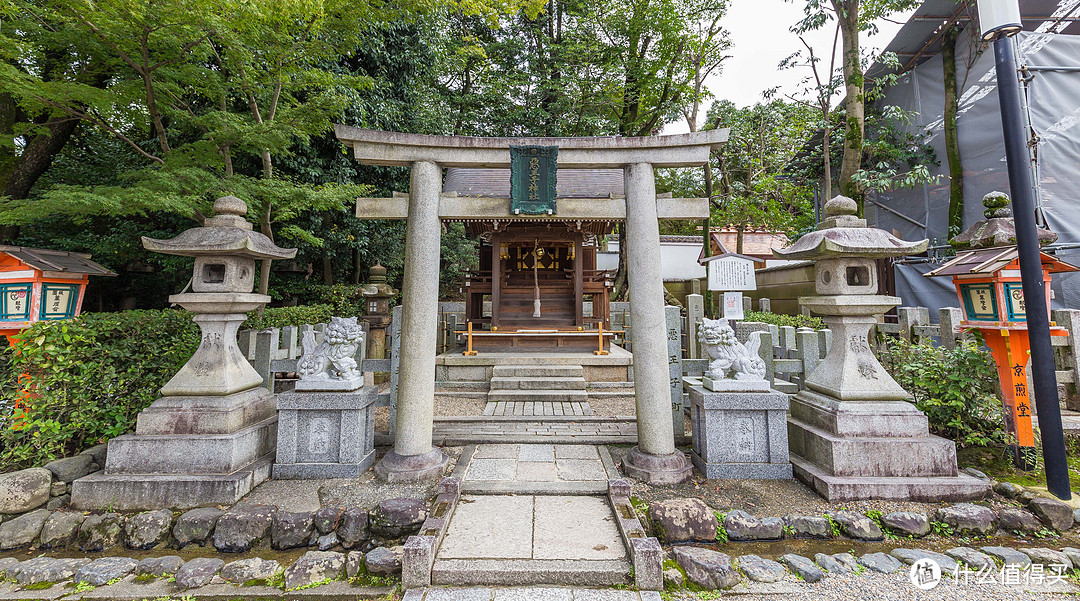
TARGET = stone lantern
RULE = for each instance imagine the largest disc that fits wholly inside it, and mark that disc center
(852, 432)
(210, 438)
(378, 294)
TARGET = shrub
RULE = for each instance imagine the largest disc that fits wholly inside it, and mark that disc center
(779, 319)
(277, 317)
(956, 389)
(88, 378)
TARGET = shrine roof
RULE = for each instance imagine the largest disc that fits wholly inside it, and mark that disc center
(56, 260)
(990, 260)
(571, 183)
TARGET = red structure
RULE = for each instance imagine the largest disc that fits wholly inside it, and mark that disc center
(41, 285)
(988, 285)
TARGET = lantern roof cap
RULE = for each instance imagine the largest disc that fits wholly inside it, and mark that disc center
(225, 234)
(44, 259)
(990, 260)
(843, 235)
(998, 229)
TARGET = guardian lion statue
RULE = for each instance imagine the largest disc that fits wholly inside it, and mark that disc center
(334, 358)
(729, 359)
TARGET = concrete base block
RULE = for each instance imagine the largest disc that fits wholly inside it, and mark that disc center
(657, 469)
(189, 454)
(848, 451)
(325, 434)
(137, 492)
(205, 414)
(411, 468)
(740, 435)
(926, 489)
(742, 471)
(924, 456)
(309, 471)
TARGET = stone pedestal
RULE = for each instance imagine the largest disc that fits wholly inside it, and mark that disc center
(325, 434)
(740, 435)
(854, 450)
(209, 440)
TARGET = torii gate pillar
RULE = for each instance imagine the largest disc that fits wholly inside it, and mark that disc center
(655, 459)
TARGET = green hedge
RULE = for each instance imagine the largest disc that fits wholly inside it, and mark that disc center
(779, 319)
(277, 317)
(91, 376)
(956, 389)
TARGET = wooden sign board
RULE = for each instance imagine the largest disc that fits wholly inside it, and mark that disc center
(732, 273)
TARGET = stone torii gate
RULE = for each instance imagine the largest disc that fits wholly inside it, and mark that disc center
(413, 458)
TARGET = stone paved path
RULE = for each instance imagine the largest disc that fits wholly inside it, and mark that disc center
(535, 469)
(525, 517)
(537, 408)
(528, 594)
(454, 431)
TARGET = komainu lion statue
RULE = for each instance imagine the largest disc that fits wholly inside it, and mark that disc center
(333, 359)
(729, 359)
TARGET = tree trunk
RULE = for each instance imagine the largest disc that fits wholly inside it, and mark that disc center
(952, 143)
(327, 270)
(847, 12)
(826, 148)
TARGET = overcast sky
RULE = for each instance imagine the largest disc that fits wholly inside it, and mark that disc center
(760, 39)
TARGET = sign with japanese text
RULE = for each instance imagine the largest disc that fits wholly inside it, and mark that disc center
(15, 302)
(731, 273)
(1014, 298)
(58, 301)
(533, 176)
(733, 305)
(979, 302)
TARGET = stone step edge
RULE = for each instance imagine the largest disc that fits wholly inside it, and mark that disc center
(479, 419)
(510, 572)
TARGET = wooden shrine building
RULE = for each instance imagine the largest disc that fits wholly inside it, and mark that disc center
(548, 258)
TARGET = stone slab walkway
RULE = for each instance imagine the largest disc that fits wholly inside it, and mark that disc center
(529, 539)
(537, 408)
(528, 594)
(453, 431)
(535, 469)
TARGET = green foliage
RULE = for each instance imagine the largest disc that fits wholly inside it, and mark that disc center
(940, 528)
(779, 319)
(721, 532)
(88, 378)
(955, 388)
(277, 317)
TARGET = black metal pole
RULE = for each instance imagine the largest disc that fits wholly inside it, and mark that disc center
(1027, 243)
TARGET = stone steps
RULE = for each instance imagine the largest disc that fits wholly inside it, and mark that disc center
(538, 371)
(541, 396)
(544, 383)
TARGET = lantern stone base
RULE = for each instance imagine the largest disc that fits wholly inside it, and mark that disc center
(137, 492)
(740, 435)
(852, 450)
(325, 434)
(176, 471)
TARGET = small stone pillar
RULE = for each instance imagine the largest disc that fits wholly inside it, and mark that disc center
(211, 437)
(413, 458)
(326, 426)
(655, 460)
(853, 434)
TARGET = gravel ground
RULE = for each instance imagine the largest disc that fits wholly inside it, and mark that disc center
(619, 406)
(894, 587)
(366, 491)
